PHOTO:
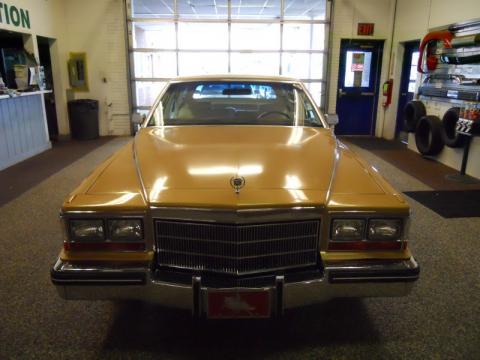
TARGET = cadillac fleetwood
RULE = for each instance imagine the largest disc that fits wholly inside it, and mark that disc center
(234, 200)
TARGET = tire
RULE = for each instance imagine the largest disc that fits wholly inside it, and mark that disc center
(428, 135)
(412, 113)
(449, 133)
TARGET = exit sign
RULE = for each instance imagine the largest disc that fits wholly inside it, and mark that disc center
(365, 28)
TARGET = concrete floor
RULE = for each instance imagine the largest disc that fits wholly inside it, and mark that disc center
(439, 320)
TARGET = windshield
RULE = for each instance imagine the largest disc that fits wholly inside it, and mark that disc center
(234, 103)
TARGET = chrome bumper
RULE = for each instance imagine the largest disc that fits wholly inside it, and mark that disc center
(338, 279)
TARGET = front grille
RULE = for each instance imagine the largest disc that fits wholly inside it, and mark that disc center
(237, 249)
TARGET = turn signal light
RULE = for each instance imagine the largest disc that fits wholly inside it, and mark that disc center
(365, 245)
(105, 246)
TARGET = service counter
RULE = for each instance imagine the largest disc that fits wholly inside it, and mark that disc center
(23, 127)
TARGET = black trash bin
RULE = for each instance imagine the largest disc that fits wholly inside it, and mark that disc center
(83, 116)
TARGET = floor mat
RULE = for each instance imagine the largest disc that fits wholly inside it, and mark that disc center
(449, 204)
(373, 143)
(429, 171)
(17, 179)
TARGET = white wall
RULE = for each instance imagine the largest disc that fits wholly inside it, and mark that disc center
(47, 19)
(346, 15)
(414, 19)
(96, 27)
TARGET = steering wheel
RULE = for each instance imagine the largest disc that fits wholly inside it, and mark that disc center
(267, 113)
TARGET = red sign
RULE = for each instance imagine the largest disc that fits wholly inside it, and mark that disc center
(358, 60)
(365, 29)
(227, 304)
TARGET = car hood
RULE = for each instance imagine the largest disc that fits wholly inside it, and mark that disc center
(185, 161)
(207, 157)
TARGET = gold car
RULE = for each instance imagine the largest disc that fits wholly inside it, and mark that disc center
(234, 200)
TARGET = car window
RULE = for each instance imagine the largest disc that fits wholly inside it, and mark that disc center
(234, 103)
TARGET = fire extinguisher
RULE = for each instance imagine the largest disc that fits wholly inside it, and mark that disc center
(387, 92)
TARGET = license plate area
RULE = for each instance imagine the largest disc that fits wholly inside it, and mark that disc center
(239, 303)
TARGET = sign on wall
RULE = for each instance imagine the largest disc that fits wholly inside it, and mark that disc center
(365, 29)
(11, 15)
(358, 59)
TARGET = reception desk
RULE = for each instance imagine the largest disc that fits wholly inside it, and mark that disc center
(23, 127)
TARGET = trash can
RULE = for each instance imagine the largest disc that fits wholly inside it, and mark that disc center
(83, 118)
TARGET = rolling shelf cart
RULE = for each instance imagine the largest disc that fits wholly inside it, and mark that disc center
(469, 128)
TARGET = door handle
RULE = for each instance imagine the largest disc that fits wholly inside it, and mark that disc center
(341, 93)
(367, 93)
(404, 94)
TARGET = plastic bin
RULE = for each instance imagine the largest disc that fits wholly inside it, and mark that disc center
(83, 118)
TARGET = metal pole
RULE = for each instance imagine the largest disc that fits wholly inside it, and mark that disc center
(466, 150)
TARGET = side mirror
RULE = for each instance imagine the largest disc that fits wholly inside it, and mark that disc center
(332, 119)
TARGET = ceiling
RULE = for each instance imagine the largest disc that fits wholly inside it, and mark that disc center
(300, 9)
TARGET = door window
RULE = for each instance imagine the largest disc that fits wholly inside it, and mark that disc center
(412, 80)
(357, 68)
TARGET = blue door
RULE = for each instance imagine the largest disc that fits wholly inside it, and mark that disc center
(358, 86)
(407, 84)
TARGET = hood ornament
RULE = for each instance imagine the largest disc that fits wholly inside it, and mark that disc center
(237, 182)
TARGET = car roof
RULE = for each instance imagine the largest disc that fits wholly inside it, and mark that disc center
(230, 77)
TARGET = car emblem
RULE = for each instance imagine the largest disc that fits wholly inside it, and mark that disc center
(237, 182)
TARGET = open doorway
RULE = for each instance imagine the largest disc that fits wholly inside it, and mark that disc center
(44, 45)
(11, 52)
(407, 85)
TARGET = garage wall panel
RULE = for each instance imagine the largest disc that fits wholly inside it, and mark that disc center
(91, 26)
(443, 12)
(258, 37)
(413, 20)
(47, 19)
(346, 15)
(98, 28)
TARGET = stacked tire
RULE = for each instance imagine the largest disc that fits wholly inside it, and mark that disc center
(428, 135)
(412, 113)
(431, 133)
(450, 135)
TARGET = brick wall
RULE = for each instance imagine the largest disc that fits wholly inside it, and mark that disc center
(98, 28)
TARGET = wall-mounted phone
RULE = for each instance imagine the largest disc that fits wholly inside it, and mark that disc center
(387, 89)
(77, 71)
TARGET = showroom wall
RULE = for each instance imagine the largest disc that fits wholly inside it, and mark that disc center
(46, 19)
(94, 27)
(98, 28)
(346, 15)
(414, 18)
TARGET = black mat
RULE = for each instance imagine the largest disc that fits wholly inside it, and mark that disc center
(373, 143)
(449, 204)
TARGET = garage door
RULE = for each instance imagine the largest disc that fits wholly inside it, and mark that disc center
(265, 37)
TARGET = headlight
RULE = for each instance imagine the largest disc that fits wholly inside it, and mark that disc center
(384, 229)
(87, 230)
(348, 229)
(125, 230)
